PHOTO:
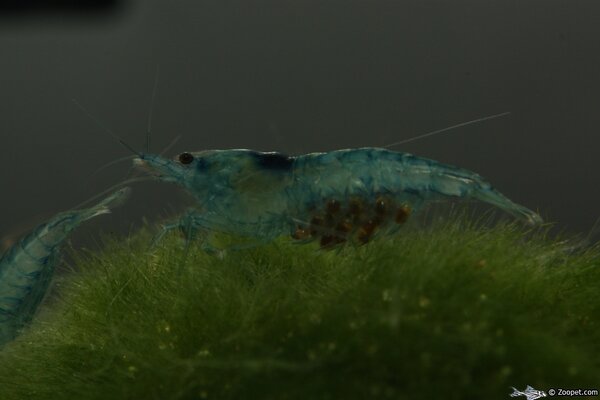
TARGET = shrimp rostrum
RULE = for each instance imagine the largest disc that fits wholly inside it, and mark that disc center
(333, 197)
(26, 269)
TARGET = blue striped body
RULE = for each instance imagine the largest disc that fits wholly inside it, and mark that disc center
(26, 269)
(25, 274)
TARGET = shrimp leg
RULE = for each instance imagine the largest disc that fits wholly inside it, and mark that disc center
(185, 224)
(190, 227)
(193, 226)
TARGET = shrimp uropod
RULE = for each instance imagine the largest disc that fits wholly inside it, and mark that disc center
(333, 197)
(26, 269)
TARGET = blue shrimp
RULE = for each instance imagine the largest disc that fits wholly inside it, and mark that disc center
(333, 197)
(26, 269)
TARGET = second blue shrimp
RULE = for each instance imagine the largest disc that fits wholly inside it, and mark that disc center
(26, 269)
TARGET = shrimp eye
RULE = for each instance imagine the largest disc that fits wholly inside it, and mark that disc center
(186, 158)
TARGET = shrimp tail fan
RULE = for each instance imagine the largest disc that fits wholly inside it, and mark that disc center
(493, 197)
(105, 206)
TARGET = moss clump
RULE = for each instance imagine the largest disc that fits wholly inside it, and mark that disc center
(455, 310)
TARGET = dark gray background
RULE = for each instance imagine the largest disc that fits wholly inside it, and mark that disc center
(298, 76)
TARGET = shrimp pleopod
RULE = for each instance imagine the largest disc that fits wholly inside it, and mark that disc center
(332, 197)
(26, 269)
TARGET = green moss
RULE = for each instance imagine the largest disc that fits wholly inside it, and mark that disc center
(452, 311)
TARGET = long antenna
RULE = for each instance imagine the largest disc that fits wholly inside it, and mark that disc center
(154, 91)
(106, 130)
(173, 143)
(474, 121)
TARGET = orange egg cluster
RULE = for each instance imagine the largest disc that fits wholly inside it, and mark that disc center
(358, 220)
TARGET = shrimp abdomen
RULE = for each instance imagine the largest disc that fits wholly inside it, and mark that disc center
(370, 172)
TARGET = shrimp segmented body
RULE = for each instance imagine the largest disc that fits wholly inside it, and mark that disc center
(26, 269)
(333, 197)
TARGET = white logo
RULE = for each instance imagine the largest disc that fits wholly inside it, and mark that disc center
(529, 392)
